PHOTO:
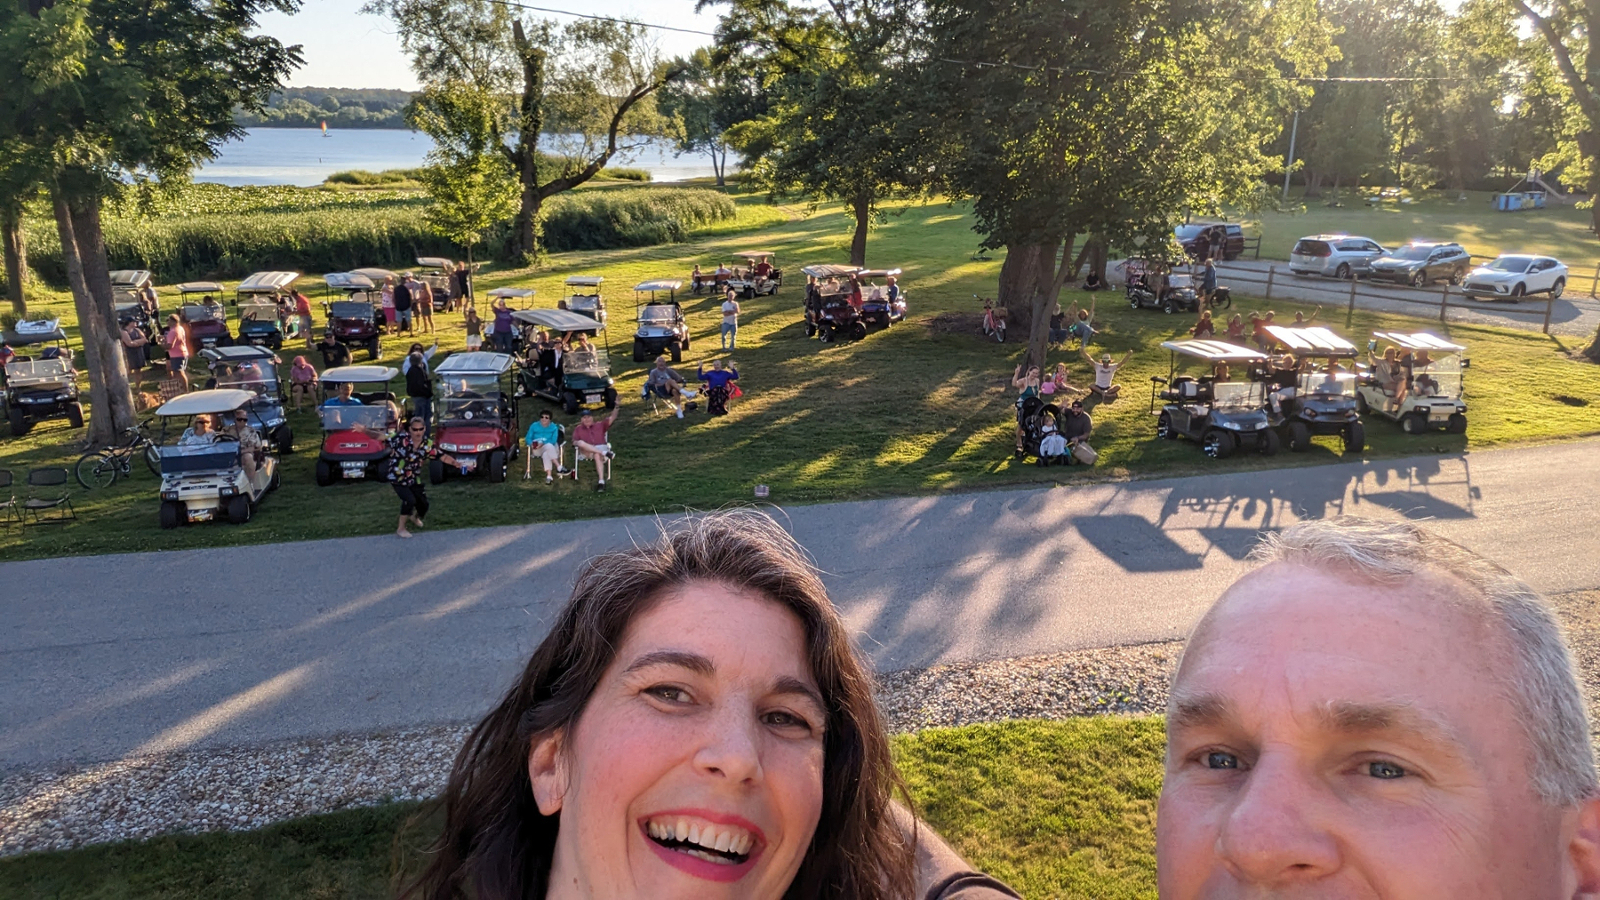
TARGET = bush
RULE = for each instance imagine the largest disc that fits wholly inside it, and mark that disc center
(622, 173)
(363, 178)
(630, 217)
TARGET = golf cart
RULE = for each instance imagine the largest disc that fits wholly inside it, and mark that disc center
(1220, 414)
(877, 308)
(1425, 395)
(134, 300)
(42, 388)
(758, 276)
(513, 296)
(207, 322)
(128, 285)
(262, 323)
(584, 379)
(661, 325)
(434, 271)
(585, 298)
(1311, 395)
(1178, 292)
(265, 287)
(354, 320)
(202, 482)
(830, 292)
(475, 414)
(255, 369)
(352, 436)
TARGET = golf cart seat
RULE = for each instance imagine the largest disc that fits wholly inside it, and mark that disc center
(373, 398)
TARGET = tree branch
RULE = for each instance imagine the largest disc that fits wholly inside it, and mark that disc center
(567, 182)
(1580, 88)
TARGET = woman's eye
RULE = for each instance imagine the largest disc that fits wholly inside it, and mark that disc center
(781, 719)
(1217, 759)
(668, 693)
(1385, 770)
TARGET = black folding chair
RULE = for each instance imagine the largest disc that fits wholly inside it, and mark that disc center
(13, 513)
(49, 479)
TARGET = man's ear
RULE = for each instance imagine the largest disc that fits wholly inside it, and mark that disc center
(1583, 852)
(547, 771)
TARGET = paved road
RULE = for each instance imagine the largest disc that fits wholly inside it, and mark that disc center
(104, 656)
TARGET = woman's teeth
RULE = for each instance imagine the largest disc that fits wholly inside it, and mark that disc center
(699, 838)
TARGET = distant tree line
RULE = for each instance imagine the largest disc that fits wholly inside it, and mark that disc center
(340, 107)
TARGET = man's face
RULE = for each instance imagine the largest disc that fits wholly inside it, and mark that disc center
(1334, 738)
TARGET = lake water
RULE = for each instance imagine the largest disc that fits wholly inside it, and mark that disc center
(302, 156)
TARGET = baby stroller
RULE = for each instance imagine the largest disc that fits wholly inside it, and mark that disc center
(1041, 433)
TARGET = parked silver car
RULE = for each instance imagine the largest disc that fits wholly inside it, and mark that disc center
(1338, 255)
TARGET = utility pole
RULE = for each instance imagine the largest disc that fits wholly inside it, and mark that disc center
(1288, 163)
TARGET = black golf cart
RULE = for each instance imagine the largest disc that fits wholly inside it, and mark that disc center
(354, 319)
(246, 367)
(662, 328)
(1220, 414)
(824, 317)
(583, 380)
(41, 382)
(1307, 393)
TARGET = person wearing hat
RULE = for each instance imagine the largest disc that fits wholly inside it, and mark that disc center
(1075, 426)
(593, 442)
(1105, 372)
(333, 353)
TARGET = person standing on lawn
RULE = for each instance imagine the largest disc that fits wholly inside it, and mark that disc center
(474, 328)
(419, 386)
(730, 321)
(177, 344)
(404, 298)
(134, 344)
(422, 299)
(504, 326)
(1208, 282)
(593, 442)
(387, 302)
(302, 310)
(409, 452)
(461, 286)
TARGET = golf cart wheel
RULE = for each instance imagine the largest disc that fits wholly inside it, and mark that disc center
(569, 404)
(172, 514)
(811, 330)
(1419, 280)
(1218, 444)
(75, 414)
(497, 466)
(19, 422)
(1133, 300)
(97, 470)
(1361, 404)
(239, 510)
(373, 347)
(1355, 438)
(1299, 437)
(436, 472)
(824, 334)
(1164, 429)
(324, 473)
(1268, 443)
(858, 331)
(1170, 306)
(277, 478)
(1414, 423)
(1557, 288)
(639, 351)
(277, 342)
(285, 439)
(1458, 424)
(1343, 272)
(677, 352)
(749, 293)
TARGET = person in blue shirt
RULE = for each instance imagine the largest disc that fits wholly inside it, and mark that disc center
(544, 441)
(344, 398)
(719, 382)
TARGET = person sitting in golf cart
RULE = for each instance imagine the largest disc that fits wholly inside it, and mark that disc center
(250, 449)
(345, 397)
(199, 432)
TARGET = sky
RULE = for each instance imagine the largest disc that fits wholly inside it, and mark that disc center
(346, 49)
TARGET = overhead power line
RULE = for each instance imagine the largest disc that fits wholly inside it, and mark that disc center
(568, 12)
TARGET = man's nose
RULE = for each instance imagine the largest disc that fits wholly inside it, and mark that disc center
(1278, 832)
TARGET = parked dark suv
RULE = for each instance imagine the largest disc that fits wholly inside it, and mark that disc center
(1420, 263)
(1190, 237)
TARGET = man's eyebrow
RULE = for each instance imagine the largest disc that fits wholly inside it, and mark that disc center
(694, 662)
(1371, 718)
(1199, 710)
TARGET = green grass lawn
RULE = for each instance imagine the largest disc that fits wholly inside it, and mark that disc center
(923, 407)
(1056, 809)
(1558, 230)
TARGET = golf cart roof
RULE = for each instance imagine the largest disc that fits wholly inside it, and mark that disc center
(555, 320)
(359, 374)
(201, 287)
(1314, 341)
(39, 332)
(135, 278)
(238, 353)
(585, 280)
(830, 271)
(755, 254)
(267, 282)
(878, 273)
(376, 275)
(201, 403)
(512, 293)
(660, 284)
(435, 262)
(349, 281)
(1214, 351)
(476, 362)
(1422, 340)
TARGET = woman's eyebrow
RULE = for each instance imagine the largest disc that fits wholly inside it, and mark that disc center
(791, 685)
(683, 659)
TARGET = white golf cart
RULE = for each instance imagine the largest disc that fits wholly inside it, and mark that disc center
(1221, 414)
(662, 328)
(205, 480)
(1308, 391)
(36, 388)
(1422, 390)
(585, 299)
(759, 275)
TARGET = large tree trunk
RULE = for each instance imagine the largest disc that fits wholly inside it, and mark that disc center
(1593, 350)
(1019, 276)
(862, 208)
(100, 431)
(530, 123)
(1589, 146)
(1313, 185)
(1049, 277)
(16, 253)
(121, 413)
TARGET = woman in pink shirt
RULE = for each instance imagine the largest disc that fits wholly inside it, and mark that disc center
(177, 343)
(302, 381)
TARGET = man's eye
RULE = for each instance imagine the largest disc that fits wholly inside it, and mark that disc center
(1217, 759)
(1386, 770)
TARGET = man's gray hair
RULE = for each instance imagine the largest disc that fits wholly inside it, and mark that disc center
(1542, 681)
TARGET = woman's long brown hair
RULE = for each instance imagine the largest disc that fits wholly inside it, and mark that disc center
(496, 845)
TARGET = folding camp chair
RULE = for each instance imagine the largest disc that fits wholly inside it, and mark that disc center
(13, 513)
(60, 502)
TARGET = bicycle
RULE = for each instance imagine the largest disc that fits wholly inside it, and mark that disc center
(994, 319)
(101, 468)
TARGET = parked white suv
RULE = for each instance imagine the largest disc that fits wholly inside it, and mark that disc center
(1338, 255)
(1513, 275)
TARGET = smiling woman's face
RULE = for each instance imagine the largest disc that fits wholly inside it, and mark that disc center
(695, 770)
